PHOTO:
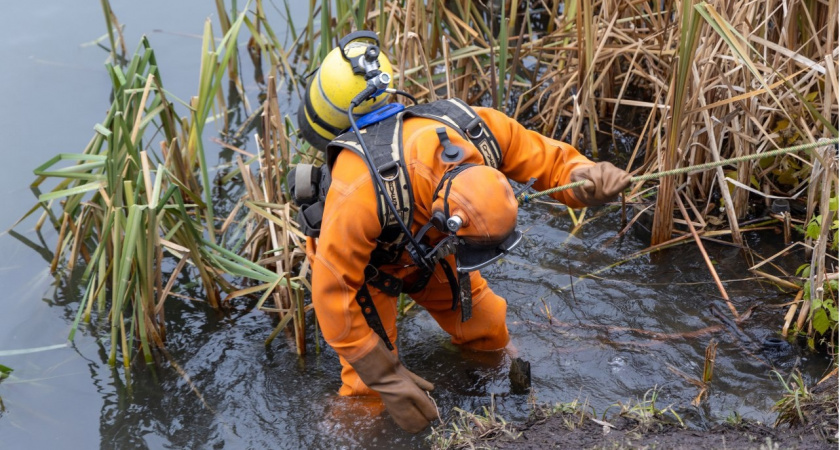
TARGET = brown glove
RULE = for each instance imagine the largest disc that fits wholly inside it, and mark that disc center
(607, 182)
(403, 392)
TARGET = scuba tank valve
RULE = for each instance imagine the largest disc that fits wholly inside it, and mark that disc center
(374, 85)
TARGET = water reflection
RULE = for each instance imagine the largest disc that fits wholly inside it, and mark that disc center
(612, 339)
(600, 338)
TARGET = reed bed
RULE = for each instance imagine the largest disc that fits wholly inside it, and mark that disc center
(705, 80)
(711, 81)
(131, 213)
(715, 79)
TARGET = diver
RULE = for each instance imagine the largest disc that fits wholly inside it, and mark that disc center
(415, 200)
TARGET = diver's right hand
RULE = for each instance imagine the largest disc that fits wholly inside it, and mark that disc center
(604, 182)
(403, 392)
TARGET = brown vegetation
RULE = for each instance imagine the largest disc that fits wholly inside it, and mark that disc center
(712, 80)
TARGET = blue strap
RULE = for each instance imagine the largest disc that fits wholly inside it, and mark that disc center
(379, 114)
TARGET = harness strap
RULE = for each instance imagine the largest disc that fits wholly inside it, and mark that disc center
(364, 300)
(458, 115)
(453, 282)
(384, 142)
(309, 218)
(420, 284)
(387, 283)
(466, 296)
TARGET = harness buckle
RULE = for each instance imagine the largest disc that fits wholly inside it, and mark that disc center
(386, 283)
(388, 166)
(472, 126)
(371, 272)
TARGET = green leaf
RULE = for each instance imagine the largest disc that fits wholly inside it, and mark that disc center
(82, 170)
(832, 312)
(832, 204)
(102, 130)
(786, 176)
(804, 271)
(26, 351)
(766, 162)
(820, 321)
(72, 191)
(813, 230)
(5, 371)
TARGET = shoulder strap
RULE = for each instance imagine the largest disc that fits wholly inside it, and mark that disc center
(458, 115)
(384, 142)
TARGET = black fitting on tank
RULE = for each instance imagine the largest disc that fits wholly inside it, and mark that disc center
(367, 63)
(372, 53)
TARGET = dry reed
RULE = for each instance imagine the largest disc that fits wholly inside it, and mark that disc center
(712, 81)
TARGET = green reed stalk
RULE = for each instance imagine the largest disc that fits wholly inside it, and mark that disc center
(587, 75)
(117, 208)
(111, 191)
(326, 30)
(689, 32)
(503, 60)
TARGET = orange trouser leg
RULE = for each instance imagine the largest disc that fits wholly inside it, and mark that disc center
(386, 307)
(486, 330)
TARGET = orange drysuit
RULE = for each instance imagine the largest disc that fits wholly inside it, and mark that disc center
(350, 227)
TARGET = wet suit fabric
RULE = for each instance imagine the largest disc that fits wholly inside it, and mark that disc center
(350, 228)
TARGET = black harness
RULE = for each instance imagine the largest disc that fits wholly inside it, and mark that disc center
(383, 141)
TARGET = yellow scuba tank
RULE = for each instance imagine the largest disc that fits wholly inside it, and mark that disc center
(343, 74)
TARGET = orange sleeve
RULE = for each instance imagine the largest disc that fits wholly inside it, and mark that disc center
(527, 154)
(349, 229)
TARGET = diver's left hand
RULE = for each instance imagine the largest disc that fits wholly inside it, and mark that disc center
(402, 391)
(606, 182)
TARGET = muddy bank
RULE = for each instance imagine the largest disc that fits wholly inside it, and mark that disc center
(816, 428)
(553, 433)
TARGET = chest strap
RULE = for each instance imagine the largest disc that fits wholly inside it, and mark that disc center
(384, 142)
(387, 284)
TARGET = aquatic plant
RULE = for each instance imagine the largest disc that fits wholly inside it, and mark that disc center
(809, 409)
(467, 429)
(573, 414)
(818, 314)
(131, 213)
(710, 79)
(646, 413)
(268, 233)
(5, 371)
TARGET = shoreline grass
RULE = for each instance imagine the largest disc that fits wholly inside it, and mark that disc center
(713, 80)
(804, 419)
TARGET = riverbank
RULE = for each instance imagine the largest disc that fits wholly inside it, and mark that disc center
(816, 428)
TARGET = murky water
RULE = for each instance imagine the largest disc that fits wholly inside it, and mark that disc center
(609, 338)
